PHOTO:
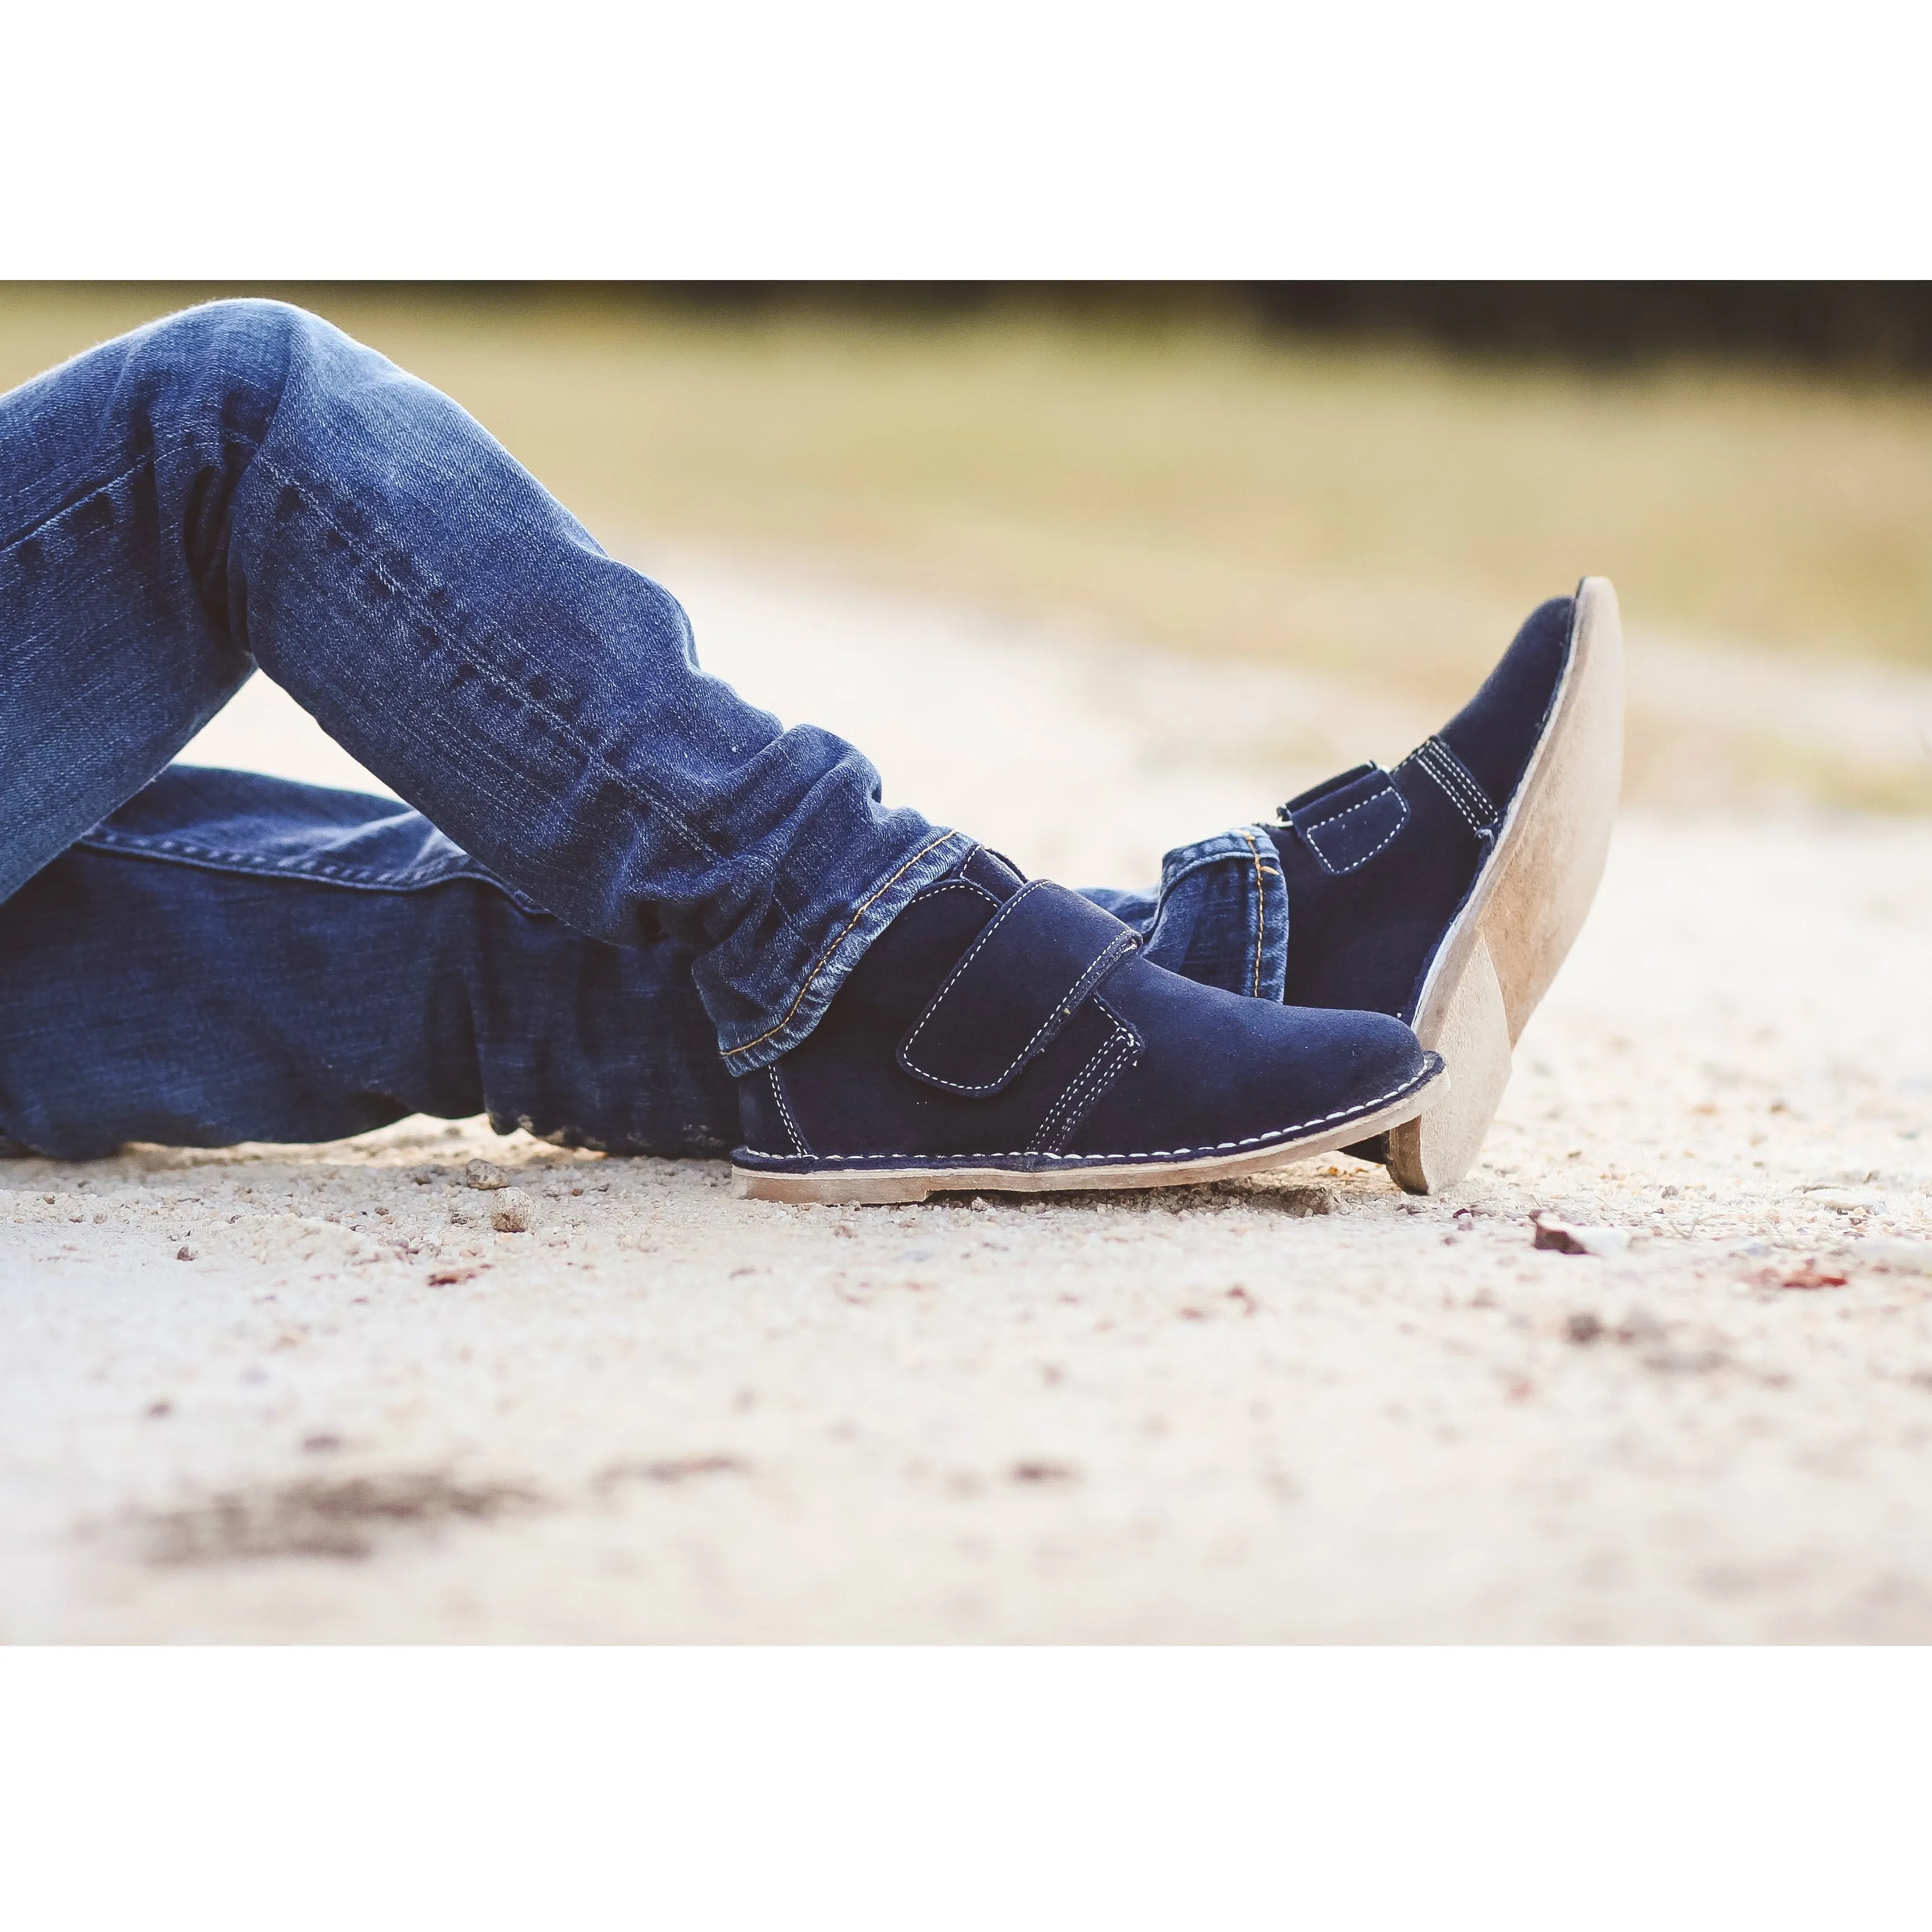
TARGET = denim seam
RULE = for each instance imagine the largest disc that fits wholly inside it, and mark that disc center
(1164, 897)
(360, 548)
(168, 851)
(162, 448)
(826, 958)
(636, 788)
(642, 793)
(183, 442)
(1150, 1154)
(172, 446)
(1261, 917)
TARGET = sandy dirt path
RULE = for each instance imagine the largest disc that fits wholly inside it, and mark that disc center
(315, 1394)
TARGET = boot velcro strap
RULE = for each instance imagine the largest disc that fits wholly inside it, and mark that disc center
(1348, 825)
(1014, 988)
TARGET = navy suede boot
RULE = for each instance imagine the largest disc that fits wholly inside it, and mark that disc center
(1447, 891)
(1005, 1035)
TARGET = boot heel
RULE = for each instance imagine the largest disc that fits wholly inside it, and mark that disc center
(1436, 1150)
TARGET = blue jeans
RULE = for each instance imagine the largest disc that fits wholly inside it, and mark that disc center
(621, 884)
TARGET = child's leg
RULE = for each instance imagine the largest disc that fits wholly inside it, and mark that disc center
(231, 957)
(242, 485)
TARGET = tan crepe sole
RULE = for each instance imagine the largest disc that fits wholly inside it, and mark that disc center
(880, 1187)
(1507, 944)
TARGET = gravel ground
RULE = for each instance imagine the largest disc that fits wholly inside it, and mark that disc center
(371, 1392)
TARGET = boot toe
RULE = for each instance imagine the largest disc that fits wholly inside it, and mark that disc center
(1216, 1070)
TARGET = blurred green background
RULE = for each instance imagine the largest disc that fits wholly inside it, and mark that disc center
(1375, 480)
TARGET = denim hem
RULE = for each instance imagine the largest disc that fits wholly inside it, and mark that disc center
(1188, 912)
(875, 911)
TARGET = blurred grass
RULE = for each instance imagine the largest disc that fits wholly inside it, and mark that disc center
(1372, 512)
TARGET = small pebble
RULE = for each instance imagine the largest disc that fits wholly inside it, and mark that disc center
(1560, 1237)
(511, 1215)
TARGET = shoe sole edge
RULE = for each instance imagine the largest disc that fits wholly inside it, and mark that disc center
(1506, 945)
(888, 1186)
